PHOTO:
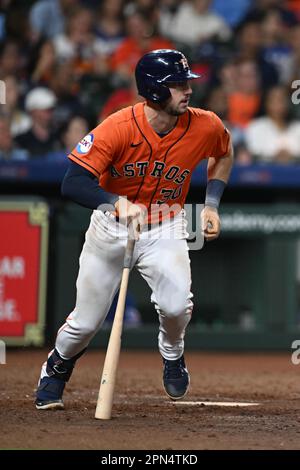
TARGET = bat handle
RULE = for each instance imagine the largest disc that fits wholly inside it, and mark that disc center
(129, 253)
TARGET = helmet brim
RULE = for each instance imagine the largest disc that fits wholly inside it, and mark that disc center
(180, 77)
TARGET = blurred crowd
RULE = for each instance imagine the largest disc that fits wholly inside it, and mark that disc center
(67, 64)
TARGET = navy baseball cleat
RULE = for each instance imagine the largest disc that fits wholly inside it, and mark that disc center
(49, 394)
(176, 378)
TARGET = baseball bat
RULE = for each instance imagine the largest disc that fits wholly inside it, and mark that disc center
(108, 379)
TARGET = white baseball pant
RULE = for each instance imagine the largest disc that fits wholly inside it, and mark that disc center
(160, 255)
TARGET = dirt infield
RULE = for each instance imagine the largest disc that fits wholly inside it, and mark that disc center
(143, 418)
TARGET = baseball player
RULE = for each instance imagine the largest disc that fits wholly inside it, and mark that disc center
(136, 161)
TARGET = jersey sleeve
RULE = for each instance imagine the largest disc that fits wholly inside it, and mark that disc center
(96, 151)
(221, 138)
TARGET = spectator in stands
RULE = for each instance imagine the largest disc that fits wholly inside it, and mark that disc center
(47, 17)
(226, 76)
(76, 129)
(167, 10)
(66, 87)
(120, 98)
(244, 102)
(73, 131)
(149, 8)
(274, 30)
(44, 64)
(16, 20)
(40, 139)
(217, 101)
(19, 121)
(261, 7)
(79, 45)
(249, 46)
(4, 5)
(274, 137)
(276, 49)
(109, 26)
(232, 11)
(194, 23)
(8, 150)
(293, 66)
(10, 59)
(138, 42)
(294, 7)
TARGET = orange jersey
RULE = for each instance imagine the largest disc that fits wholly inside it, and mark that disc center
(131, 159)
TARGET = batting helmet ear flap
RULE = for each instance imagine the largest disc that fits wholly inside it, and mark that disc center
(159, 93)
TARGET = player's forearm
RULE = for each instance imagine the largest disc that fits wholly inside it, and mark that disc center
(220, 168)
(82, 187)
(218, 172)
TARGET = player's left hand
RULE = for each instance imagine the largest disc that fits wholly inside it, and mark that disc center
(211, 224)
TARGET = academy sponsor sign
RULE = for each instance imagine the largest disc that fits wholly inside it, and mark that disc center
(239, 222)
(23, 254)
(264, 220)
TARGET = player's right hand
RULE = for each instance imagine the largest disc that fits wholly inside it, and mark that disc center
(132, 215)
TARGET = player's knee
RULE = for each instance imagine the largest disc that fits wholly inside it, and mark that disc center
(84, 322)
(176, 306)
(88, 331)
(79, 330)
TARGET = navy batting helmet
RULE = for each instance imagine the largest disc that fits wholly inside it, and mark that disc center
(158, 68)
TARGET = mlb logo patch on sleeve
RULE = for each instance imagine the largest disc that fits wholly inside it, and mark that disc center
(85, 144)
